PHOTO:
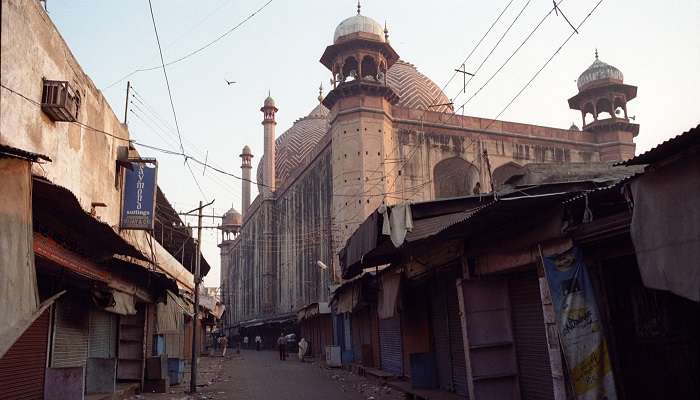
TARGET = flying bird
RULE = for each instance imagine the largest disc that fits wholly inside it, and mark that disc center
(229, 82)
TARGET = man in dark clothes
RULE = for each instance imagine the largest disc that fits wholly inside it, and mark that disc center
(282, 346)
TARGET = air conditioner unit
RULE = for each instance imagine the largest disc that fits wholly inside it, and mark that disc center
(59, 101)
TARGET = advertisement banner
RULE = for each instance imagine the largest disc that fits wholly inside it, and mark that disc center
(139, 195)
(579, 326)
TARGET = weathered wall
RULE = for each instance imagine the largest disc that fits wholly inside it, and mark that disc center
(83, 159)
(304, 236)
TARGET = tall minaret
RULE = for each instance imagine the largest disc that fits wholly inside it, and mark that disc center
(269, 123)
(246, 167)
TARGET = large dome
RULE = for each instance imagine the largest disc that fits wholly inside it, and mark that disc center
(415, 91)
(359, 24)
(599, 73)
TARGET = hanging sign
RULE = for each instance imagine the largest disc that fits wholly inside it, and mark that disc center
(579, 326)
(139, 195)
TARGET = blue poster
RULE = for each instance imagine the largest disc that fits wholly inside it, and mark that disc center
(139, 195)
(579, 326)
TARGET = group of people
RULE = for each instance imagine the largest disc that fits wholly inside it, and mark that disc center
(282, 347)
(258, 342)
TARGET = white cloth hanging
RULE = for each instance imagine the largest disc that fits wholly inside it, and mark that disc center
(396, 222)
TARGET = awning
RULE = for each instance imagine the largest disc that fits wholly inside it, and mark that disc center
(56, 209)
(277, 319)
(312, 310)
(169, 315)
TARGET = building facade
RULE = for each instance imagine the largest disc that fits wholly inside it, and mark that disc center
(386, 134)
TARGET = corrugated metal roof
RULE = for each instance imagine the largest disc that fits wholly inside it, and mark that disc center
(427, 227)
(668, 148)
(9, 151)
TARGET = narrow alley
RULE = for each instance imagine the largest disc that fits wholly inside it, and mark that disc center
(254, 375)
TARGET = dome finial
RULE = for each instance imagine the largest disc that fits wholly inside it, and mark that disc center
(358, 7)
(596, 53)
(320, 93)
(386, 32)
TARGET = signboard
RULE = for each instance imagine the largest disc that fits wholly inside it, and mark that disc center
(579, 326)
(139, 195)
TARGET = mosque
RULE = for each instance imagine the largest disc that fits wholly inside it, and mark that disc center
(385, 133)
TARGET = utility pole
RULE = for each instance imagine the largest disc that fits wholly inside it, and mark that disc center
(197, 281)
(126, 103)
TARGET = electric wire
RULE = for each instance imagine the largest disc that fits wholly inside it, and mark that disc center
(194, 52)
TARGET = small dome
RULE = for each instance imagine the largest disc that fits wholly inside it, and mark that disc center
(574, 127)
(356, 24)
(269, 102)
(598, 73)
(232, 217)
(246, 151)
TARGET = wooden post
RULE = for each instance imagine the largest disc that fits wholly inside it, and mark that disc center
(126, 102)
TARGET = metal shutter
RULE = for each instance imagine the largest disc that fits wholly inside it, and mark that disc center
(102, 342)
(441, 335)
(70, 345)
(391, 347)
(459, 367)
(530, 337)
(22, 368)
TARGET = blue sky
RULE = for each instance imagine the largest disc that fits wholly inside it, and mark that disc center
(656, 45)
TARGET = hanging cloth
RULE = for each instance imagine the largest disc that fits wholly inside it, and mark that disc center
(396, 222)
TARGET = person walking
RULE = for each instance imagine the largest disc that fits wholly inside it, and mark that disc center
(245, 342)
(303, 347)
(258, 342)
(282, 346)
(223, 342)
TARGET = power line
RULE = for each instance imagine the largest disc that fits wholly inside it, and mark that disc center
(576, 29)
(192, 53)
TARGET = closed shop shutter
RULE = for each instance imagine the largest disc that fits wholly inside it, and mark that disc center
(530, 337)
(70, 346)
(102, 341)
(22, 368)
(459, 368)
(441, 335)
(390, 345)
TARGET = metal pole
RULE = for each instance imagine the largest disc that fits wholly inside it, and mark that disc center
(126, 103)
(195, 324)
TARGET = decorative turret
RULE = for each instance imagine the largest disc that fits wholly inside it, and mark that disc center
(269, 110)
(359, 59)
(231, 224)
(602, 99)
(246, 167)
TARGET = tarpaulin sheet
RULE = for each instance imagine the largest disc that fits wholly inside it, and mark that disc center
(169, 318)
(123, 304)
(579, 325)
(389, 294)
(665, 227)
(349, 297)
(18, 288)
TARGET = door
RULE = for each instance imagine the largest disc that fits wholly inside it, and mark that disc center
(102, 334)
(391, 353)
(530, 337)
(492, 366)
(130, 351)
(71, 326)
(22, 368)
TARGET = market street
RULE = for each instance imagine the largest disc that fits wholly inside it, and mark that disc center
(261, 375)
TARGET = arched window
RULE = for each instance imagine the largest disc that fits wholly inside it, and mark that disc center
(505, 173)
(454, 177)
(350, 69)
(369, 67)
(604, 108)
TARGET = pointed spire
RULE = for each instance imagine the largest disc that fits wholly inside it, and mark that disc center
(386, 33)
(358, 7)
(596, 53)
(320, 93)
